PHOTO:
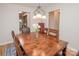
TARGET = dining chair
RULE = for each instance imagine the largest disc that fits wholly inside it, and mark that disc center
(19, 49)
(42, 27)
(25, 29)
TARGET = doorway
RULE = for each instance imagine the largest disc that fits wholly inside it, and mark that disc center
(54, 18)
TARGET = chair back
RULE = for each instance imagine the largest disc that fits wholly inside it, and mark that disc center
(19, 50)
(13, 34)
(42, 27)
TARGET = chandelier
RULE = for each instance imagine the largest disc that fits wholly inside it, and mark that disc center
(39, 13)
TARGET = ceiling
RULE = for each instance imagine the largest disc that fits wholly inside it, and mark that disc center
(36, 4)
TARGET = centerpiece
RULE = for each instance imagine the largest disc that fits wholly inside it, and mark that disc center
(36, 29)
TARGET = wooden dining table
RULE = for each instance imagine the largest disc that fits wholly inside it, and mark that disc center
(43, 45)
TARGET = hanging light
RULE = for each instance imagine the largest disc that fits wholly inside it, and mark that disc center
(34, 17)
(39, 13)
(43, 17)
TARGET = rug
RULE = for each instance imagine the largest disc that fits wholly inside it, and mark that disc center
(10, 50)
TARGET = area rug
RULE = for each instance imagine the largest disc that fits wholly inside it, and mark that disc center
(10, 50)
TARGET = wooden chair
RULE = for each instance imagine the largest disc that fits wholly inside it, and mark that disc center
(19, 49)
(42, 27)
(13, 34)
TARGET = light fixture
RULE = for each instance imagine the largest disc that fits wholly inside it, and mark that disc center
(43, 17)
(39, 13)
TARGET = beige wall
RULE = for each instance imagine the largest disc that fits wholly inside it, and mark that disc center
(69, 23)
(8, 22)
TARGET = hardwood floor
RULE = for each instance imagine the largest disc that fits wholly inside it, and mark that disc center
(2, 51)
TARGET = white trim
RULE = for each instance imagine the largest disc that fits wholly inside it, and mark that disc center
(4, 43)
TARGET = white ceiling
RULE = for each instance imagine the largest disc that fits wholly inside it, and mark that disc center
(36, 4)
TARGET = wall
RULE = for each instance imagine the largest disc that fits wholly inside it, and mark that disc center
(69, 23)
(9, 20)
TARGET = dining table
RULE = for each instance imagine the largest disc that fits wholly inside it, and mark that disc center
(43, 45)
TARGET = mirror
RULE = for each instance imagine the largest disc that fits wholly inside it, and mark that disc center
(54, 17)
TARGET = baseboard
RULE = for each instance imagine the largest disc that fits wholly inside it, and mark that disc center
(4, 43)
